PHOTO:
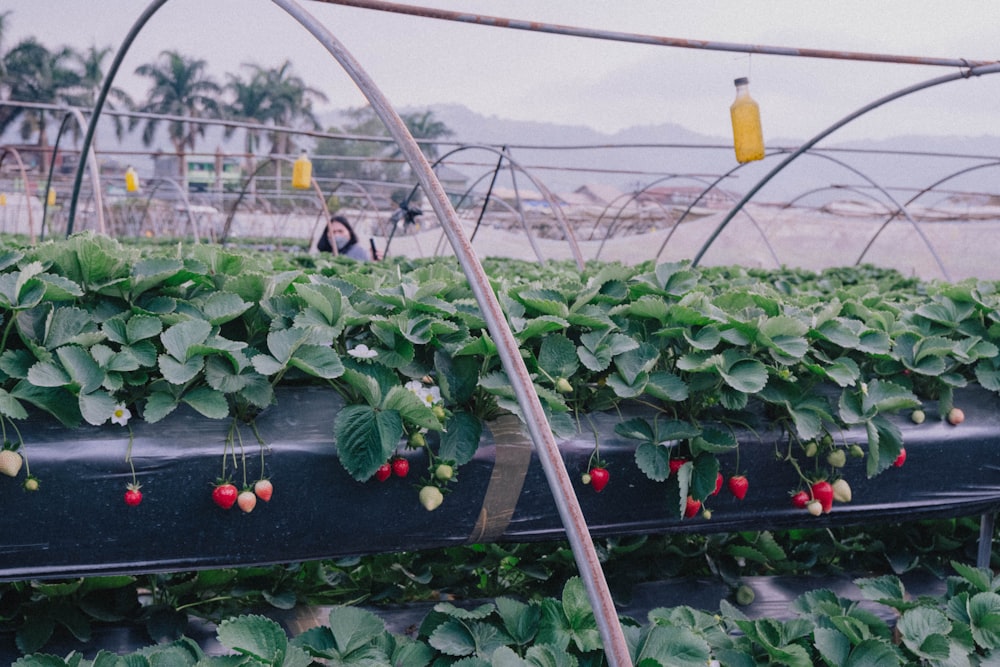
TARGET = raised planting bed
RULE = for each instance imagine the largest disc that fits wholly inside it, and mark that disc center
(77, 523)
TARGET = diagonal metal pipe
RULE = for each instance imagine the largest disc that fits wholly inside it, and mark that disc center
(567, 504)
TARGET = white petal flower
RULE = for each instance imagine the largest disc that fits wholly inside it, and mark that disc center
(432, 396)
(120, 415)
(362, 351)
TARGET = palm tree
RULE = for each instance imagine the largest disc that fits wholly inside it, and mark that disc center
(91, 64)
(35, 74)
(290, 101)
(426, 126)
(180, 87)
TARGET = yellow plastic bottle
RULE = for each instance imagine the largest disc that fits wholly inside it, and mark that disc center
(302, 172)
(748, 138)
(131, 180)
(51, 197)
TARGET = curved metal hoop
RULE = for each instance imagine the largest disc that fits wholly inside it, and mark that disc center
(965, 74)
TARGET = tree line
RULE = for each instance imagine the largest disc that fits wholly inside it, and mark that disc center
(275, 98)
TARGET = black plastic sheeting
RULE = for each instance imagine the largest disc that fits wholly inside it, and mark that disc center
(77, 523)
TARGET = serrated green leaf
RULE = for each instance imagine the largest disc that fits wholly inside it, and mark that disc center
(256, 636)
(366, 438)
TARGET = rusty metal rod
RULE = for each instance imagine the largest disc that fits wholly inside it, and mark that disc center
(594, 33)
(577, 532)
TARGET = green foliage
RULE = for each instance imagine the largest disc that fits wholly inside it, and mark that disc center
(959, 627)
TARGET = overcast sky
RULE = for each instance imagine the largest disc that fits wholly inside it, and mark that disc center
(602, 84)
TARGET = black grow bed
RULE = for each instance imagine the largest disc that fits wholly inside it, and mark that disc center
(77, 523)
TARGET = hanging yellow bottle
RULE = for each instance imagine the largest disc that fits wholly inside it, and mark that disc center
(51, 201)
(3, 198)
(748, 138)
(131, 180)
(302, 172)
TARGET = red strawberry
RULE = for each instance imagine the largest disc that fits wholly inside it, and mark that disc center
(675, 465)
(224, 495)
(738, 486)
(718, 484)
(133, 496)
(247, 500)
(384, 472)
(599, 478)
(800, 500)
(823, 492)
(956, 416)
(264, 489)
(692, 507)
(901, 459)
(400, 466)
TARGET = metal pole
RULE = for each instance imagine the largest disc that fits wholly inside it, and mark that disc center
(615, 646)
(535, 26)
(109, 78)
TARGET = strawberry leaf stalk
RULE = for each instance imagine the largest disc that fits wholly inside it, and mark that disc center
(120, 415)
(597, 475)
(12, 454)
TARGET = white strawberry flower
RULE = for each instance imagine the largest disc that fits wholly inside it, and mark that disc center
(362, 351)
(120, 415)
(430, 396)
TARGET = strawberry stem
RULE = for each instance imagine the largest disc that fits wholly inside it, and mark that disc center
(128, 454)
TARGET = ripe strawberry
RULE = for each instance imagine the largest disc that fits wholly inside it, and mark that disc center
(692, 507)
(718, 484)
(431, 497)
(599, 478)
(133, 496)
(384, 472)
(264, 489)
(675, 465)
(842, 491)
(224, 495)
(247, 500)
(901, 459)
(10, 462)
(800, 500)
(823, 492)
(956, 416)
(738, 486)
(400, 466)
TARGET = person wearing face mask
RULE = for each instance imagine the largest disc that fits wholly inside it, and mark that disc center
(340, 233)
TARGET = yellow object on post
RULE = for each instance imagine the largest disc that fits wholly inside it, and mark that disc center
(748, 138)
(3, 198)
(302, 172)
(131, 180)
(52, 197)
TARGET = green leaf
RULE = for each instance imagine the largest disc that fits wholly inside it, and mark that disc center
(461, 436)
(520, 620)
(411, 408)
(653, 460)
(176, 372)
(353, 628)
(179, 338)
(924, 631)
(222, 307)
(667, 387)
(742, 373)
(318, 361)
(256, 636)
(97, 407)
(984, 613)
(639, 360)
(208, 402)
(557, 356)
(83, 370)
(453, 638)
(580, 616)
(457, 376)
(675, 646)
(366, 438)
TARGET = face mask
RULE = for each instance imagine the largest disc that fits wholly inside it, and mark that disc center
(342, 242)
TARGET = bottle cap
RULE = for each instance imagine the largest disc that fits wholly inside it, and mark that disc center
(742, 81)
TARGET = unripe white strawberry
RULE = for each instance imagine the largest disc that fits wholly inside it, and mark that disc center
(815, 507)
(842, 491)
(431, 497)
(10, 462)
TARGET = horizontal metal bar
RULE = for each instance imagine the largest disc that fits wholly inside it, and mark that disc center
(593, 33)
